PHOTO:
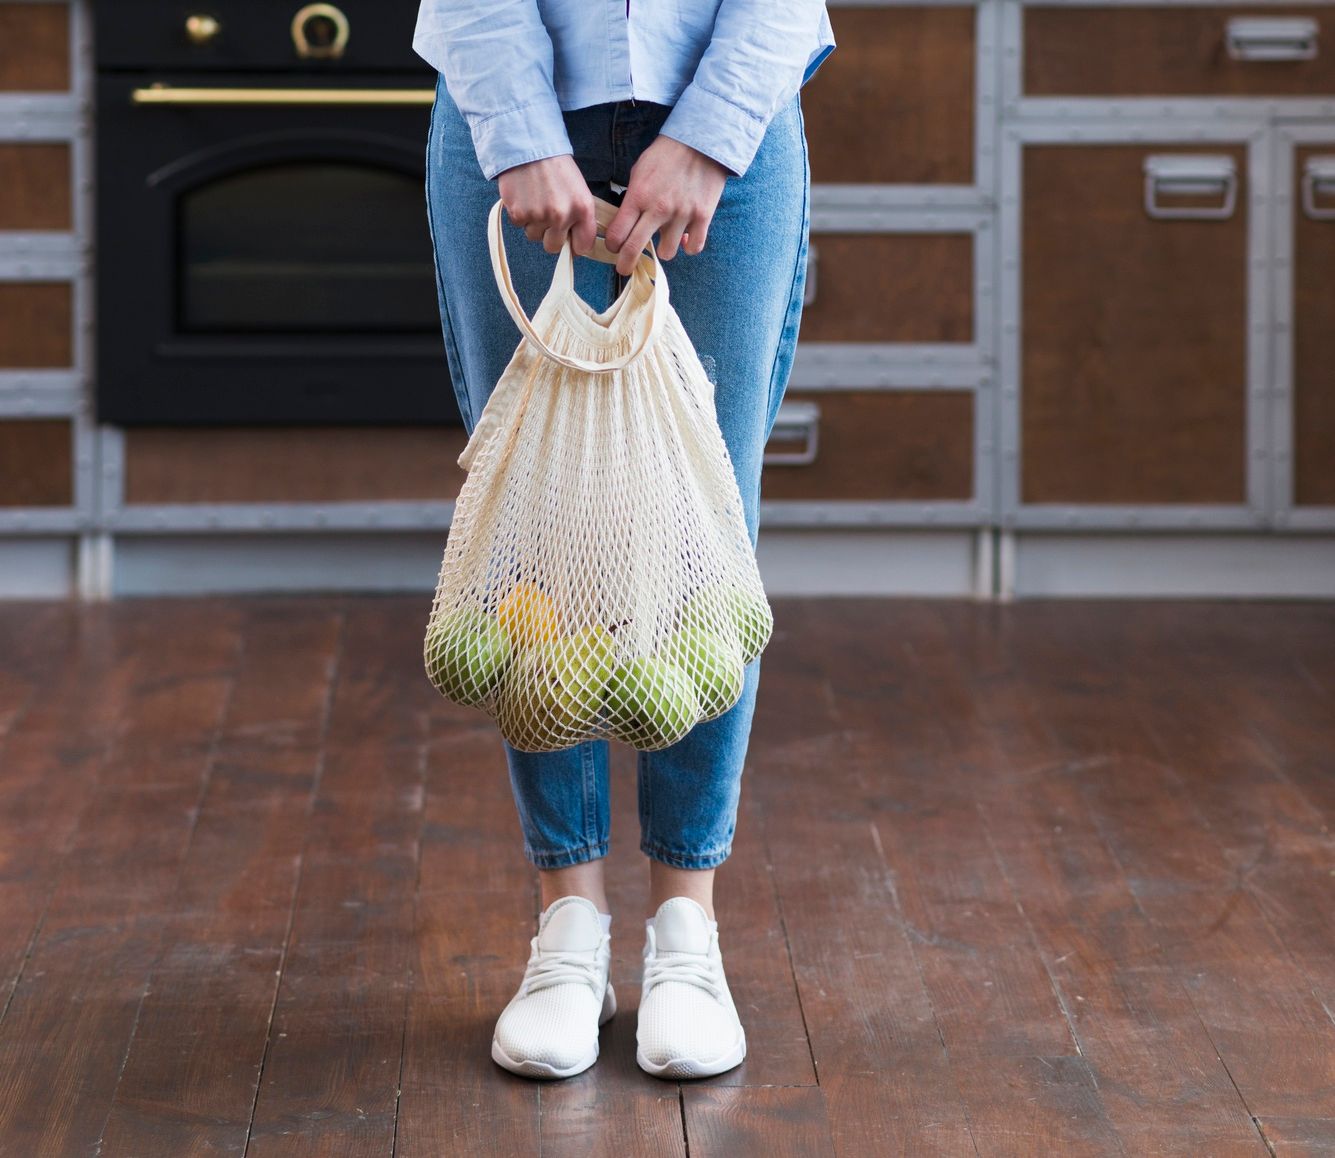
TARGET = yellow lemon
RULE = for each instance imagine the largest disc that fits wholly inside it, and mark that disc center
(528, 615)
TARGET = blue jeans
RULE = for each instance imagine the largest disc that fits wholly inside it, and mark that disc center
(740, 300)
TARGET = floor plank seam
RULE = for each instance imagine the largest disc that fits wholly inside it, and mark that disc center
(783, 926)
(333, 672)
(423, 762)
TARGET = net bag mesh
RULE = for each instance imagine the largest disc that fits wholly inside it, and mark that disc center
(598, 579)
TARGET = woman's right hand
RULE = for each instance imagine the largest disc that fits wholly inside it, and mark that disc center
(551, 200)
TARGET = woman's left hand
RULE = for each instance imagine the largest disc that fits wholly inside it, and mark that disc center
(673, 189)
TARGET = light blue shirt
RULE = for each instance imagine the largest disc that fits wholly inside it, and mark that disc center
(725, 66)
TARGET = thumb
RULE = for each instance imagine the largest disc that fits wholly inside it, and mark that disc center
(584, 231)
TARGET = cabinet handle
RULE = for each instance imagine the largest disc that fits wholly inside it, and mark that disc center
(1184, 174)
(809, 290)
(1318, 178)
(795, 420)
(1271, 38)
(163, 94)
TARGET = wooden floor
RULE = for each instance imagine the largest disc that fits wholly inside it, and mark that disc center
(1046, 879)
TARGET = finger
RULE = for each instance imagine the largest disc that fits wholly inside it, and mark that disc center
(535, 231)
(619, 229)
(640, 237)
(669, 238)
(554, 238)
(696, 234)
(584, 230)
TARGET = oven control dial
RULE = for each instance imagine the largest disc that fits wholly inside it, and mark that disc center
(320, 32)
(201, 28)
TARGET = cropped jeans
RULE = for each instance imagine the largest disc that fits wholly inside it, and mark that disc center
(740, 301)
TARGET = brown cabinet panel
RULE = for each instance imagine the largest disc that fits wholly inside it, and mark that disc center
(1313, 345)
(34, 47)
(891, 287)
(1133, 347)
(34, 187)
(36, 462)
(894, 103)
(1074, 50)
(36, 327)
(882, 445)
(292, 464)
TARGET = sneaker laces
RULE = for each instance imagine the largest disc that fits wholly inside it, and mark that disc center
(555, 967)
(690, 969)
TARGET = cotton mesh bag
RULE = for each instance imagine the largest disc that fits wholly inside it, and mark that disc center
(598, 579)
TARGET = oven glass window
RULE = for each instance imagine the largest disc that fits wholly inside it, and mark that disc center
(306, 247)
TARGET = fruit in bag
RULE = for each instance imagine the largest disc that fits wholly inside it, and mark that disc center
(529, 615)
(749, 616)
(651, 703)
(713, 662)
(556, 688)
(467, 652)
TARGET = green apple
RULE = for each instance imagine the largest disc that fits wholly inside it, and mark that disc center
(591, 656)
(552, 696)
(651, 703)
(748, 613)
(466, 653)
(714, 663)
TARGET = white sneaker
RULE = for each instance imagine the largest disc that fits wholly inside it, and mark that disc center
(688, 1025)
(549, 1029)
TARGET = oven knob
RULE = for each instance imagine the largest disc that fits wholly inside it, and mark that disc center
(201, 29)
(320, 32)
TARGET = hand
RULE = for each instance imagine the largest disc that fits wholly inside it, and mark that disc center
(551, 200)
(673, 188)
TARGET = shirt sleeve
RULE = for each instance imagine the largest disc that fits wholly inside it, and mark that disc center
(754, 64)
(497, 60)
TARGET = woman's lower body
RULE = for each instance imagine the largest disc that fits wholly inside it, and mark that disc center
(740, 300)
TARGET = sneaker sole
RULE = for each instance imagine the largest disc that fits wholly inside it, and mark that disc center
(531, 1068)
(689, 1067)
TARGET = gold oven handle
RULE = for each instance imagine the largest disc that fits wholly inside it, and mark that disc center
(164, 94)
(301, 37)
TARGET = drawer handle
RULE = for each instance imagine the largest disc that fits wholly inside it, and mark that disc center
(809, 290)
(795, 421)
(1318, 178)
(1271, 38)
(1190, 174)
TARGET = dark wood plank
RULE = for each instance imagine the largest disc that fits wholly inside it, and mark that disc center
(989, 991)
(476, 909)
(778, 1121)
(874, 1036)
(1159, 1078)
(189, 1081)
(331, 1073)
(64, 1036)
(1262, 1017)
(63, 688)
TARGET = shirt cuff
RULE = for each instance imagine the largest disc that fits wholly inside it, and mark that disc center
(716, 127)
(527, 133)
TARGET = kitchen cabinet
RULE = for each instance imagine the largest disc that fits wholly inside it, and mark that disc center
(1069, 288)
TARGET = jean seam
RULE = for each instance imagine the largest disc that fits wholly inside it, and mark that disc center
(596, 848)
(646, 795)
(453, 359)
(668, 856)
(794, 300)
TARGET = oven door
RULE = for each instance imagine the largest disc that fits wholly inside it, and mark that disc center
(263, 257)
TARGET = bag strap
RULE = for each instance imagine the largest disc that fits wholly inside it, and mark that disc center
(563, 282)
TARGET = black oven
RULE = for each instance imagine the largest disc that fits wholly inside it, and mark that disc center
(262, 251)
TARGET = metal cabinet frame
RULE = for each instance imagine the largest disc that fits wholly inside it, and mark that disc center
(870, 208)
(1288, 204)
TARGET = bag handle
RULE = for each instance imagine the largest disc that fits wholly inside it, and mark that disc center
(563, 282)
